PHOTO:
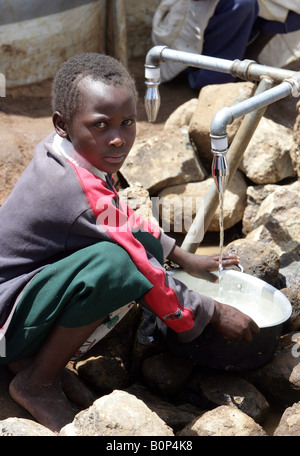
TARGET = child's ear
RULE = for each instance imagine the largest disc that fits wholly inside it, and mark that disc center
(60, 124)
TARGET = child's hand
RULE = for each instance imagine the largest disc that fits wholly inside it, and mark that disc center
(232, 324)
(201, 265)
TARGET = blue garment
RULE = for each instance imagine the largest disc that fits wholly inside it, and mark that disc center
(226, 37)
(291, 24)
(234, 24)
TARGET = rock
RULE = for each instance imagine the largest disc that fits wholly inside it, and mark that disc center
(223, 421)
(138, 199)
(106, 365)
(117, 414)
(255, 196)
(211, 99)
(257, 259)
(290, 269)
(289, 424)
(277, 221)
(148, 342)
(166, 373)
(103, 373)
(176, 416)
(17, 427)
(169, 158)
(179, 204)
(295, 150)
(182, 115)
(222, 388)
(279, 380)
(293, 324)
(267, 157)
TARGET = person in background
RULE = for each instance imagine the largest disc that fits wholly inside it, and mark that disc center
(218, 28)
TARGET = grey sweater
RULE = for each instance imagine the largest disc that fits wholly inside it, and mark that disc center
(48, 215)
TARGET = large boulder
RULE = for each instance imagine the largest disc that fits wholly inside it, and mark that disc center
(267, 158)
(182, 115)
(223, 421)
(257, 259)
(23, 427)
(211, 99)
(255, 196)
(223, 388)
(277, 221)
(289, 424)
(163, 160)
(178, 205)
(279, 380)
(117, 414)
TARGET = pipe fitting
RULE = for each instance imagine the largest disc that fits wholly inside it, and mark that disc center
(154, 56)
(240, 68)
(295, 84)
(220, 121)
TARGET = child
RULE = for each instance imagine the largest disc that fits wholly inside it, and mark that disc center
(72, 253)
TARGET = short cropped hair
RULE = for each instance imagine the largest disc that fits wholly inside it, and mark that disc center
(99, 67)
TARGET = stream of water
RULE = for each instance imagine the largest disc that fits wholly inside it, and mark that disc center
(221, 245)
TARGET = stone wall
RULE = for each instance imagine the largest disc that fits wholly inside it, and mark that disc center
(139, 14)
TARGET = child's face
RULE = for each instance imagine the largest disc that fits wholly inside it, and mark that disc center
(103, 127)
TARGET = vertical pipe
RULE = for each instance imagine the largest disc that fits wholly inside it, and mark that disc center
(238, 146)
(117, 32)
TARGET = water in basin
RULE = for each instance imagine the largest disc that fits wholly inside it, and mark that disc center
(266, 305)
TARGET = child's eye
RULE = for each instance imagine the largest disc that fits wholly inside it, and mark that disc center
(129, 122)
(100, 125)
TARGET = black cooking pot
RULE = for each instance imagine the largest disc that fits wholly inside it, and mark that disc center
(211, 349)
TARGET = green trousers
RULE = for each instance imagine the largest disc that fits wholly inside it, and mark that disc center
(76, 291)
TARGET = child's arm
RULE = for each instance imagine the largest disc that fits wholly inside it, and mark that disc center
(200, 265)
(228, 321)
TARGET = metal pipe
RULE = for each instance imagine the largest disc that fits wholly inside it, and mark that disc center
(243, 69)
(120, 31)
(256, 105)
(226, 116)
(162, 53)
(236, 150)
(288, 84)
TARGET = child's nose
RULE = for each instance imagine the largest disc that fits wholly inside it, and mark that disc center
(117, 141)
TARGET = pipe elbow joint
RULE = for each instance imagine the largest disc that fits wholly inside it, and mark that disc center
(294, 82)
(220, 121)
(154, 56)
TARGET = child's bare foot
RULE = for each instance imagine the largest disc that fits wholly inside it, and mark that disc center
(46, 403)
(76, 391)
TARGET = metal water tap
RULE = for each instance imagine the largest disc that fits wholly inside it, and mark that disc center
(219, 167)
(152, 96)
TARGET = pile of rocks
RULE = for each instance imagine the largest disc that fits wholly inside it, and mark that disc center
(143, 389)
(179, 158)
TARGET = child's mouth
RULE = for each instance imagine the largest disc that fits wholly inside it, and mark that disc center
(114, 159)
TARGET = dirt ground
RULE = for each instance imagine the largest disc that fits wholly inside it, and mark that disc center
(25, 119)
